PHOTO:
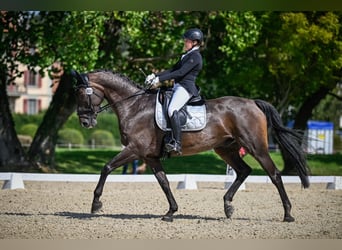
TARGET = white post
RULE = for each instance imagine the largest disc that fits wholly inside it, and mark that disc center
(15, 182)
(337, 184)
(188, 183)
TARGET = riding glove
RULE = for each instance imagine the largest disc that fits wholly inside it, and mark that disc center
(155, 83)
(149, 78)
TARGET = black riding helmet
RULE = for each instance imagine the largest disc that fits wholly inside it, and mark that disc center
(194, 35)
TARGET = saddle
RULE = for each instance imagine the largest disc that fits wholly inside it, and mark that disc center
(192, 116)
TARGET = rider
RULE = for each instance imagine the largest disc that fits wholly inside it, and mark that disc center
(184, 72)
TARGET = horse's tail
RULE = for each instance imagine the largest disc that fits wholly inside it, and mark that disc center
(289, 141)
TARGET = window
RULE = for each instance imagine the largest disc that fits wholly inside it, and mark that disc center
(32, 79)
(32, 106)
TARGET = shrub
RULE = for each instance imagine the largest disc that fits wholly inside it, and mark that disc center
(23, 119)
(28, 129)
(70, 136)
(102, 137)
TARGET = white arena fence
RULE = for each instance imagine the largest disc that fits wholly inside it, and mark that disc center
(15, 180)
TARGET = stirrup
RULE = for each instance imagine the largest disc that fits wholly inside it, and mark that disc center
(173, 146)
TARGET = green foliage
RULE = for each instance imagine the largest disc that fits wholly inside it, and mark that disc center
(69, 37)
(70, 136)
(227, 71)
(102, 137)
(82, 161)
(148, 41)
(329, 109)
(28, 129)
(22, 119)
(242, 31)
(302, 53)
(106, 121)
(325, 164)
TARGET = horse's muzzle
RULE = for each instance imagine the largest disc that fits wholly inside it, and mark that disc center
(87, 122)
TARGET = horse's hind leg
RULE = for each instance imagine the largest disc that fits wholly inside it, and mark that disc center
(268, 165)
(242, 171)
(159, 173)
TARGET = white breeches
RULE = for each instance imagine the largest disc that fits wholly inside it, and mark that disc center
(179, 98)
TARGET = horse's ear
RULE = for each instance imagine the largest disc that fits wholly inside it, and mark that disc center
(76, 75)
(81, 79)
(73, 73)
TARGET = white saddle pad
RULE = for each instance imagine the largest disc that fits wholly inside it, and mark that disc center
(197, 121)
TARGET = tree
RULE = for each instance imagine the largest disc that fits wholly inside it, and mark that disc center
(14, 43)
(230, 67)
(41, 38)
(321, 63)
(74, 43)
(7, 132)
(304, 59)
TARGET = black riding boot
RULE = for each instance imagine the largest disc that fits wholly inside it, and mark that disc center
(175, 143)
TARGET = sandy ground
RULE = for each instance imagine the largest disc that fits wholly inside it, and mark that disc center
(58, 210)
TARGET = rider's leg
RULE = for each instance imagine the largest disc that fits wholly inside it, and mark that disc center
(179, 98)
(175, 143)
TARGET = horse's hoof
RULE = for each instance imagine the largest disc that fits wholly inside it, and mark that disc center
(228, 210)
(167, 218)
(96, 207)
(289, 219)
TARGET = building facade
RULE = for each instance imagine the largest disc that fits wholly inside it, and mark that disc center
(31, 93)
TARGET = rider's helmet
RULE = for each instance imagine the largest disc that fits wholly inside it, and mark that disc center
(194, 35)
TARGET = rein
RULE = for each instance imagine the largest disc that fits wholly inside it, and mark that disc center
(103, 108)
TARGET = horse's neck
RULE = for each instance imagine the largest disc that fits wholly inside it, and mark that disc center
(120, 92)
(117, 94)
(118, 88)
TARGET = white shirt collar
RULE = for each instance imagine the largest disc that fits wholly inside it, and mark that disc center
(189, 51)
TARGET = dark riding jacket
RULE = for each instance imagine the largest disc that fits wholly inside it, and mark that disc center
(185, 71)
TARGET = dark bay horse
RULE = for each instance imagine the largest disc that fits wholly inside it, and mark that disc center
(232, 123)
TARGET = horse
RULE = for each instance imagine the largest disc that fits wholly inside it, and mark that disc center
(232, 122)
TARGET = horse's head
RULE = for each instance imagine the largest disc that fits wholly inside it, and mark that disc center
(89, 97)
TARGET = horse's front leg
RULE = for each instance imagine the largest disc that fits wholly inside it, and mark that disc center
(97, 204)
(159, 173)
(124, 157)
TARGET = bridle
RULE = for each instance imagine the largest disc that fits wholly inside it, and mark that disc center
(83, 82)
(89, 91)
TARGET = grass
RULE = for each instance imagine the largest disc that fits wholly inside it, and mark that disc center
(86, 161)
